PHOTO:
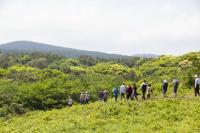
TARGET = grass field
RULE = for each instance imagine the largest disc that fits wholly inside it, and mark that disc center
(156, 115)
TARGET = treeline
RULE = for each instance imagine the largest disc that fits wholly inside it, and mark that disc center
(38, 81)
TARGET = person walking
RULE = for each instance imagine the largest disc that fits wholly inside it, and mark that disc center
(196, 85)
(143, 87)
(82, 98)
(129, 92)
(87, 97)
(105, 96)
(115, 93)
(134, 94)
(100, 95)
(149, 91)
(164, 87)
(175, 84)
(69, 101)
(122, 90)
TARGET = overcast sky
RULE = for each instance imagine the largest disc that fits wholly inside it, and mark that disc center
(114, 26)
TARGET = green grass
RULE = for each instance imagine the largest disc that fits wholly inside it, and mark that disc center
(156, 115)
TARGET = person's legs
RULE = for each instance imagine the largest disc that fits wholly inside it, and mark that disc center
(81, 102)
(164, 92)
(127, 97)
(175, 91)
(197, 90)
(148, 96)
(122, 96)
(132, 97)
(105, 99)
(136, 97)
(115, 98)
(143, 94)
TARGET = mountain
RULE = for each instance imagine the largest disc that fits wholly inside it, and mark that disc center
(146, 55)
(29, 47)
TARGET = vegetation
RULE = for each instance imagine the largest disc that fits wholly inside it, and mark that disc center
(157, 115)
(37, 81)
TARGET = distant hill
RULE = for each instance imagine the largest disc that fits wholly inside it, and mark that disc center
(30, 47)
(146, 55)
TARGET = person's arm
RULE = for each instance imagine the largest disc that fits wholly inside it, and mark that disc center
(195, 84)
(141, 85)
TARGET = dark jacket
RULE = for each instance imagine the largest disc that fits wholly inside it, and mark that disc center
(165, 86)
(129, 90)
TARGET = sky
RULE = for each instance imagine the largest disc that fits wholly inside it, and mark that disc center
(114, 26)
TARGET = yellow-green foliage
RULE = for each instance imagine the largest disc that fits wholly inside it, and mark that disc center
(109, 68)
(21, 68)
(158, 115)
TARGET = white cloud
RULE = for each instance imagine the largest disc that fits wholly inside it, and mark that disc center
(114, 26)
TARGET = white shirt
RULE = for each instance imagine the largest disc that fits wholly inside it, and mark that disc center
(197, 82)
(122, 89)
(149, 91)
(69, 101)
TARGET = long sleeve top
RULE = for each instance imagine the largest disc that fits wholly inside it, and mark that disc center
(197, 82)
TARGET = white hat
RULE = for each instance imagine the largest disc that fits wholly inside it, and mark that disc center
(165, 81)
(196, 76)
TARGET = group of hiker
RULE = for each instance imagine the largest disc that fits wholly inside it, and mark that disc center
(84, 99)
(103, 95)
(130, 92)
(175, 84)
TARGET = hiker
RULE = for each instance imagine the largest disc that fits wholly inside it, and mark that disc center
(149, 91)
(82, 98)
(164, 87)
(129, 92)
(134, 94)
(143, 87)
(122, 90)
(69, 101)
(100, 95)
(105, 96)
(175, 84)
(115, 93)
(87, 97)
(196, 86)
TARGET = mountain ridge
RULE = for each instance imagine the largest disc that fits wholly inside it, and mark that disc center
(30, 46)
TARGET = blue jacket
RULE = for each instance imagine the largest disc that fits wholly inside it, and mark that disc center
(115, 91)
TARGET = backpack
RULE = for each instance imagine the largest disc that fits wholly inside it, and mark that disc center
(176, 83)
(115, 91)
(144, 87)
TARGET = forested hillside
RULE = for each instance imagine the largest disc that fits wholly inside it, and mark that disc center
(31, 47)
(44, 81)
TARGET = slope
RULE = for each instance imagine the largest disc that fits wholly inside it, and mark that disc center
(29, 47)
(158, 115)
